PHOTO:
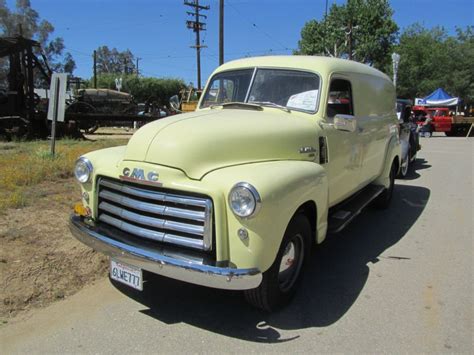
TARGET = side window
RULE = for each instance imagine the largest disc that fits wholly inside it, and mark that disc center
(340, 98)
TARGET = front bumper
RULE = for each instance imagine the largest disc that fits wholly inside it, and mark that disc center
(155, 261)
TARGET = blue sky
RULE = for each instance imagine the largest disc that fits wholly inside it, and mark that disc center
(155, 30)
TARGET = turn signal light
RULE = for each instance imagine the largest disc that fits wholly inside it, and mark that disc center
(81, 210)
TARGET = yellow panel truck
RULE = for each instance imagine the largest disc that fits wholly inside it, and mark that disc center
(280, 152)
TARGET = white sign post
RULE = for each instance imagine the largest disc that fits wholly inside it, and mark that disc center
(118, 84)
(57, 104)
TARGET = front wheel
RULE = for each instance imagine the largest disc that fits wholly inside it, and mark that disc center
(280, 281)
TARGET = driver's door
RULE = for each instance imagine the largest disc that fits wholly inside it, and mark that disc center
(344, 154)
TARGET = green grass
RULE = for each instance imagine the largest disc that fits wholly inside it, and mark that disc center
(26, 164)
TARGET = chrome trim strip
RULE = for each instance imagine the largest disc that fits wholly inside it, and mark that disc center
(151, 221)
(207, 239)
(142, 232)
(250, 84)
(150, 234)
(158, 196)
(185, 242)
(152, 208)
(156, 262)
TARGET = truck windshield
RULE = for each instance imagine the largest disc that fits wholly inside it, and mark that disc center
(295, 90)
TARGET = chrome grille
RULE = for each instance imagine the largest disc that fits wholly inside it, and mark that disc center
(156, 214)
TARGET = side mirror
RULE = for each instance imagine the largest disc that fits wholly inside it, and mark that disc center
(174, 103)
(346, 123)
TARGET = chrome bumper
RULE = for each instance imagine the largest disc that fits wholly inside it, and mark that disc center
(157, 262)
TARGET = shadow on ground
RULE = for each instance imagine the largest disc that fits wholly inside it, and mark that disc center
(417, 165)
(336, 276)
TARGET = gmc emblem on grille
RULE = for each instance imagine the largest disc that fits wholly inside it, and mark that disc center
(139, 174)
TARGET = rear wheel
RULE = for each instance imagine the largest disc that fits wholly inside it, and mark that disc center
(384, 199)
(280, 281)
(404, 166)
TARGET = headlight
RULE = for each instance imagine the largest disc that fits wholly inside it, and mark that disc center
(244, 200)
(83, 170)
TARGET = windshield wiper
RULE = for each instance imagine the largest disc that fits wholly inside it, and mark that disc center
(241, 105)
(271, 104)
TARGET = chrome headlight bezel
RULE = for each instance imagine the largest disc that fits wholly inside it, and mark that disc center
(250, 191)
(86, 174)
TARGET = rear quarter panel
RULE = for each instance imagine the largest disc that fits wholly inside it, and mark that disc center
(374, 103)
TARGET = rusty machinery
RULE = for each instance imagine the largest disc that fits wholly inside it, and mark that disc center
(24, 114)
(20, 112)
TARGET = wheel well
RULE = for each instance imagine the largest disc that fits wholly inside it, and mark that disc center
(309, 209)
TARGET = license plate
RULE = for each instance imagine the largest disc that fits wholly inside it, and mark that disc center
(126, 274)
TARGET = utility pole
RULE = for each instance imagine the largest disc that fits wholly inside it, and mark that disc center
(350, 40)
(197, 26)
(95, 69)
(125, 62)
(138, 72)
(221, 32)
(349, 31)
(325, 28)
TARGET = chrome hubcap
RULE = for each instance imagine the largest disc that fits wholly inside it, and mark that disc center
(290, 263)
(405, 165)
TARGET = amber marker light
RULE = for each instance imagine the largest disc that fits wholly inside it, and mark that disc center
(81, 210)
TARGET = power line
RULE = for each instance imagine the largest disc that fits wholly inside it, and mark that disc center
(150, 57)
(77, 51)
(254, 25)
(112, 25)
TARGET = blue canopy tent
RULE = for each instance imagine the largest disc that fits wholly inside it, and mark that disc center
(439, 97)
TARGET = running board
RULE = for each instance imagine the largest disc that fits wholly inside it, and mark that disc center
(342, 214)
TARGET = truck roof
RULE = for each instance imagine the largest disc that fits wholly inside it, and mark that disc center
(322, 65)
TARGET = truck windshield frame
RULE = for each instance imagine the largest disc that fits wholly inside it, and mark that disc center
(293, 89)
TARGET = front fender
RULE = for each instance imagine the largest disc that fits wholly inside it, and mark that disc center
(283, 187)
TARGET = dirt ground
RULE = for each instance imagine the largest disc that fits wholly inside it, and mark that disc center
(40, 261)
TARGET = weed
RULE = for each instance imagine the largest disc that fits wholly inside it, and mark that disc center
(26, 164)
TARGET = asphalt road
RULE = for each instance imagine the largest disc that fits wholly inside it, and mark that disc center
(395, 281)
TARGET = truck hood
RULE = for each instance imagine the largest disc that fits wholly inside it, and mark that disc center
(202, 141)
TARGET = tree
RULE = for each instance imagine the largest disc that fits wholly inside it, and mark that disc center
(113, 61)
(460, 80)
(360, 29)
(26, 21)
(430, 59)
(156, 90)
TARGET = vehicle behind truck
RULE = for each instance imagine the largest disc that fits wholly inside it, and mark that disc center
(281, 152)
(443, 121)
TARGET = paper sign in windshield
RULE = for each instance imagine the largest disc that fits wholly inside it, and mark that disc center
(304, 100)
